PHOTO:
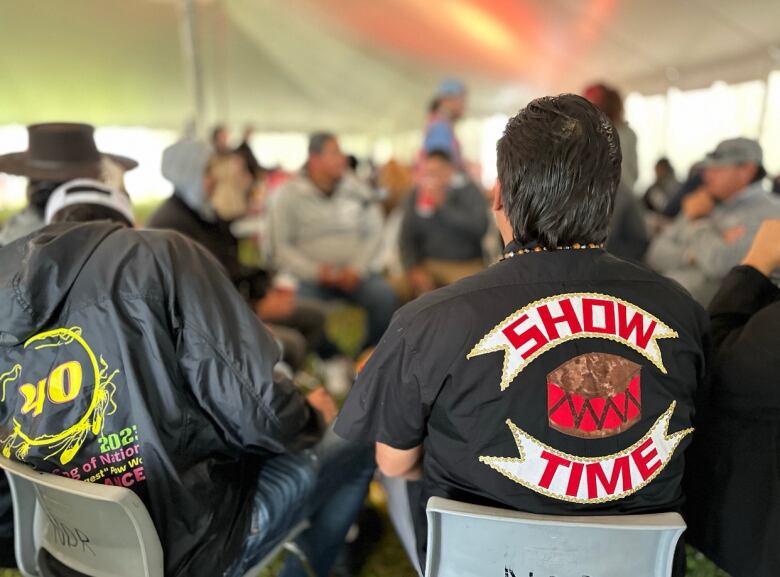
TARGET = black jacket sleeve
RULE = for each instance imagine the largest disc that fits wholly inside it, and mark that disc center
(744, 292)
(227, 357)
(745, 315)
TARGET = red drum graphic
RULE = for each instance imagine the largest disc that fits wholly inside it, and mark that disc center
(594, 395)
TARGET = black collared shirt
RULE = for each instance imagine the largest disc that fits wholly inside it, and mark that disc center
(553, 382)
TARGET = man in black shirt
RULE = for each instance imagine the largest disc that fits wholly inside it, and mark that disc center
(560, 380)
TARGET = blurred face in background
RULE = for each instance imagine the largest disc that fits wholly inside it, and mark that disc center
(455, 106)
(723, 182)
(329, 163)
(229, 185)
(436, 174)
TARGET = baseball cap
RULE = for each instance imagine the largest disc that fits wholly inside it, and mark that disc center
(450, 87)
(88, 191)
(735, 151)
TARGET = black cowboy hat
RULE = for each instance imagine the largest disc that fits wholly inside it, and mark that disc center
(60, 151)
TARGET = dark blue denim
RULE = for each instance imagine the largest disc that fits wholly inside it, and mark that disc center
(327, 485)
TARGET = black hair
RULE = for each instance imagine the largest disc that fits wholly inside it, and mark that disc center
(559, 168)
(89, 213)
(38, 193)
(318, 140)
(760, 174)
(441, 154)
(352, 162)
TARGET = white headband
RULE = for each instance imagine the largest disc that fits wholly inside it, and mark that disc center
(88, 191)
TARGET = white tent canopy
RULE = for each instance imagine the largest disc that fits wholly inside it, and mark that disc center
(361, 66)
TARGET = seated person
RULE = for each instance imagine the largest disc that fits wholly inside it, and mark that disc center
(57, 152)
(718, 221)
(732, 474)
(444, 222)
(558, 381)
(210, 192)
(325, 228)
(225, 453)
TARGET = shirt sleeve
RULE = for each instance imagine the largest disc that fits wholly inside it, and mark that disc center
(744, 330)
(713, 255)
(227, 357)
(667, 253)
(744, 292)
(373, 224)
(285, 255)
(386, 404)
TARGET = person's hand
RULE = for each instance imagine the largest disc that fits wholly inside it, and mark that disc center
(349, 279)
(421, 280)
(329, 276)
(277, 304)
(436, 196)
(764, 254)
(323, 403)
(698, 204)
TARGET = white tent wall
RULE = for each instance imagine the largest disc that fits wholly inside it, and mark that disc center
(681, 125)
(684, 125)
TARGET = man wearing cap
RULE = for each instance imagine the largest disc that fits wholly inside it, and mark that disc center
(140, 338)
(561, 379)
(718, 221)
(57, 152)
(449, 105)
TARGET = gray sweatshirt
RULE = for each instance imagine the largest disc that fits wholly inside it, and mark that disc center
(695, 253)
(308, 229)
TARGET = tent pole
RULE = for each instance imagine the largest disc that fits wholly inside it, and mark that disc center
(192, 58)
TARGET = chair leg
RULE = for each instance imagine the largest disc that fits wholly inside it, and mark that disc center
(292, 547)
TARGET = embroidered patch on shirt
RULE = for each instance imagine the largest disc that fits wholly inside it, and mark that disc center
(594, 395)
(543, 325)
(589, 479)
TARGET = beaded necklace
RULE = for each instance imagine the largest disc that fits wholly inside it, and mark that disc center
(575, 246)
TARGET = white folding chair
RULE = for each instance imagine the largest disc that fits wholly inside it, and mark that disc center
(473, 541)
(96, 530)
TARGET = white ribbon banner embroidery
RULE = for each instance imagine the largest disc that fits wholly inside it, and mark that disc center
(588, 479)
(545, 324)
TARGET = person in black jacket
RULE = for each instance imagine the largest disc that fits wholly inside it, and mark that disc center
(560, 380)
(211, 190)
(733, 479)
(153, 374)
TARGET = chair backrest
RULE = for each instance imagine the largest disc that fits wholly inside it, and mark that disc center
(97, 530)
(473, 541)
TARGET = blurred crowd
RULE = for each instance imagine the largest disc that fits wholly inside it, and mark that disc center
(344, 232)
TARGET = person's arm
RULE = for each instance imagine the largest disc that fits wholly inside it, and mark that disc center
(281, 229)
(408, 238)
(711, 252)
(227, 357)
(373, 222)
(747, 289)
(666, 252)
(629, 167)
(391, 400)
(467, 216)
(404, 463)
